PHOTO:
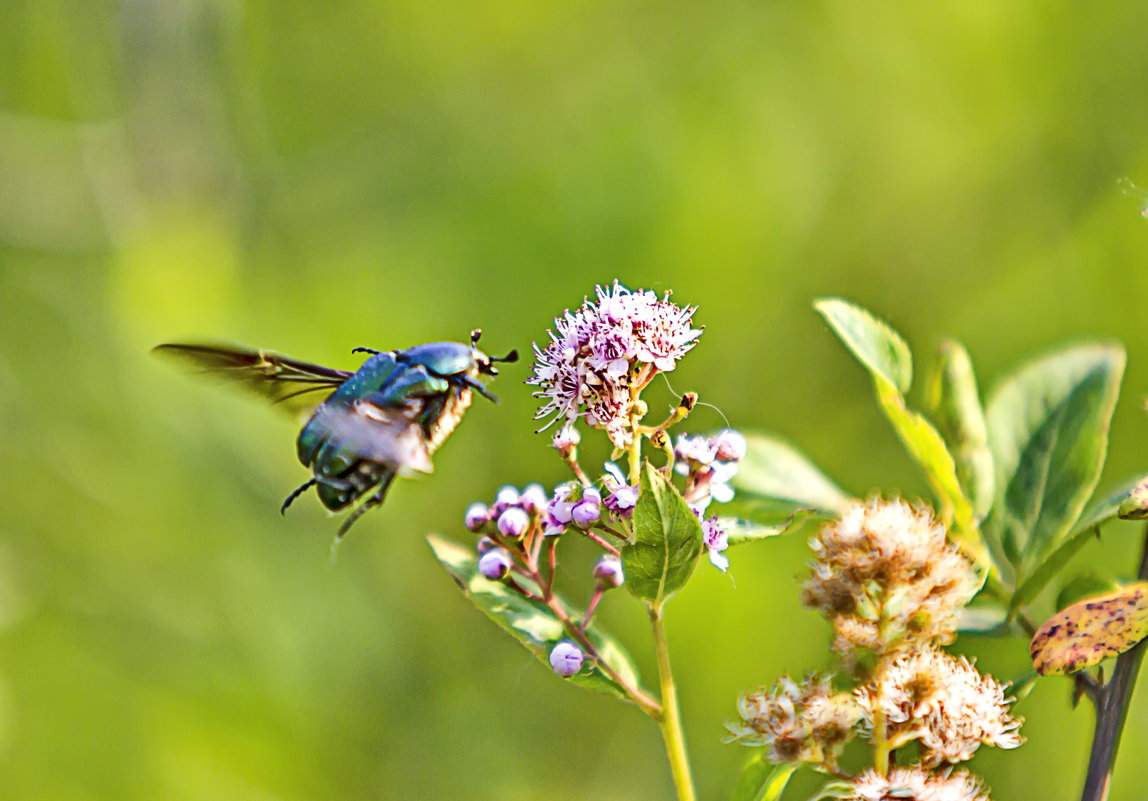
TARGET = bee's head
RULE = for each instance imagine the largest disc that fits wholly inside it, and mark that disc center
(486, 363)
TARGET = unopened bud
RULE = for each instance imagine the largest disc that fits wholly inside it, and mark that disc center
(730, 445)
(485, 543)
(513, 522)
(477, 516)
(1135, 505)
(533, 498)
(586, 513)
(494, 564)
(608, 572)
(506, 497)
(566, 659)
(566, 439)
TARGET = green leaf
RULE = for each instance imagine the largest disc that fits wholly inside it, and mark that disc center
(983, 619)
(889, 362)
(874, 343)
(1084, 585)
(667, 540)
(761, 781)
(742, 531)
(774, 480)
(1048, 429)
(1089, 631)
(1100, 512)
(955, 405)
(532, 623)
(931, 453)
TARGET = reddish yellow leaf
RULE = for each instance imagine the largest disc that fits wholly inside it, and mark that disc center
(1091, 630)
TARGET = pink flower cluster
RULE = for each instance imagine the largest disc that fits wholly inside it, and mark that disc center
(600, 354)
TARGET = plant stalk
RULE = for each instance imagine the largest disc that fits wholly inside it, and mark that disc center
(1112, 702)
(671, 719)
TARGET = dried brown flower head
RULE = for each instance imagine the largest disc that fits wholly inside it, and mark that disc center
(944, 702)
(914, 784)
(886, 575)
(798, 722)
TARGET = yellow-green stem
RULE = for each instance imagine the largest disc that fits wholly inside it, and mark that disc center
(671, 719)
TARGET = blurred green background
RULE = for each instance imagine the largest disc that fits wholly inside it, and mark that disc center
(315, 176)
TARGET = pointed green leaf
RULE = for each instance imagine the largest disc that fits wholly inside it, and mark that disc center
(667, 540)
(889, 362)
(774, 480)
(929, 449)
(1096, 515)
(955, 405)
(873, 342)
(983, 619)
(742, 531)
(532, 623)
(1091, 630)
(1048, 429)
(760, 780)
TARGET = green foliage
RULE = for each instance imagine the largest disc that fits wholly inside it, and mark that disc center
(740, 531)
(761, 780)
(774, 480)
(884, 353)
(667, 540)
(955, 405)
(1100, 512)
(531, 622)
(877, 346)
(1048, 428)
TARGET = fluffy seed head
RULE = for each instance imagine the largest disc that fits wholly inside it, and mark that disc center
(888, 561)
(914, 784)
(944, 702)
(798, 722)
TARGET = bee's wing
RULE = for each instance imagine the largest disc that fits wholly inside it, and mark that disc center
(295, 386)
(390, 435)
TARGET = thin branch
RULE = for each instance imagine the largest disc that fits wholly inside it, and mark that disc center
(1112, 709)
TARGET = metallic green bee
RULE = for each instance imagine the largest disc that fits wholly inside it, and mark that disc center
(385, 419)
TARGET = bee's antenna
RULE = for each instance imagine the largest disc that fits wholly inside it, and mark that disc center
(510, 357)
(475, 335)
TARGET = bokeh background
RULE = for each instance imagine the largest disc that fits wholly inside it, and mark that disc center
(315, 176)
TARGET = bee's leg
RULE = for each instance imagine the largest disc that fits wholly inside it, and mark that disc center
(370, 503)
(291, 498)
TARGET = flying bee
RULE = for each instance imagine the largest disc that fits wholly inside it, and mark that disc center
(365, 426)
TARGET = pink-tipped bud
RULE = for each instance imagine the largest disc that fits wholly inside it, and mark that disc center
(485, 544)
(506, 497)
(586, 513)
(566, 659)
(731, 445)
(477, 516)
(494, 564)
(566, 439)
(608, 573)
(533, 498)
(513, 522)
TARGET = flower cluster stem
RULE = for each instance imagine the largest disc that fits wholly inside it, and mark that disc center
(1112, 701)
(671, 720)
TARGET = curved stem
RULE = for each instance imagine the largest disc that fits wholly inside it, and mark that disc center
(647, 704)
(671, 720)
